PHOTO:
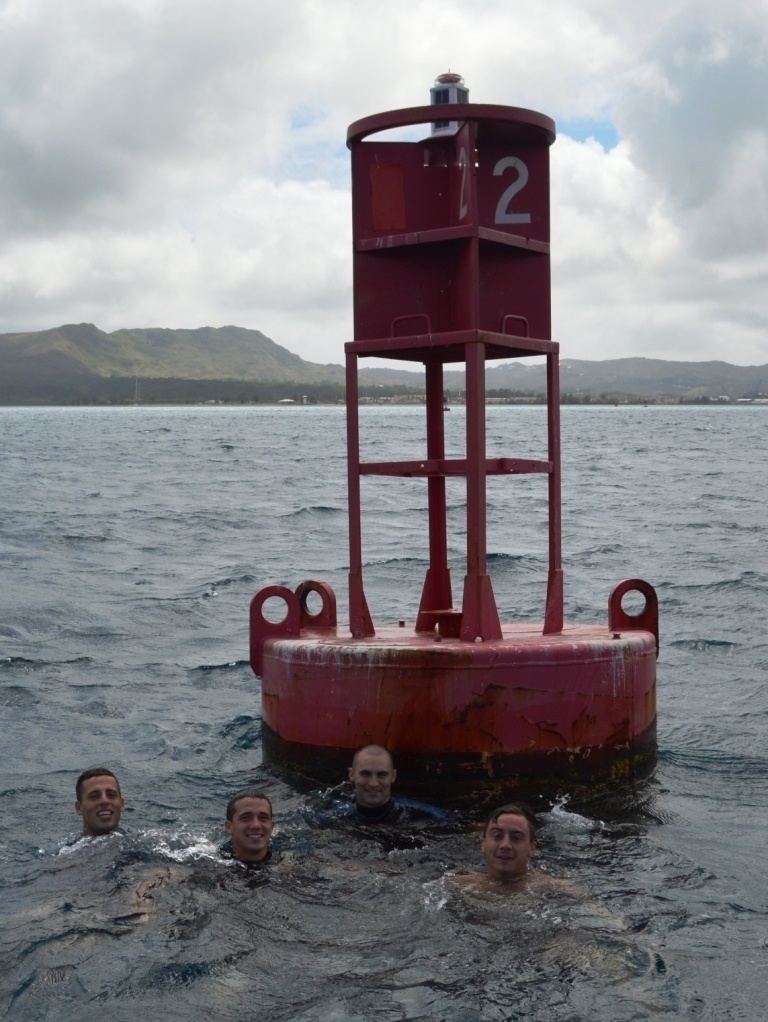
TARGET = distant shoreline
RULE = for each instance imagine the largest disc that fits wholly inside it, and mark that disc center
(415, 402)
(76, 364)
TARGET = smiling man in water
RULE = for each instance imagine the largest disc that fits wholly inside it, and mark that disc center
(99, 801)
(509, 843)
(395, 821)
(250, 824)
(373, 773)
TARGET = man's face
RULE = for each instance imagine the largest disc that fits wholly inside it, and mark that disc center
(507, 847)
(100, 805)
(373, 777)
(250, 828)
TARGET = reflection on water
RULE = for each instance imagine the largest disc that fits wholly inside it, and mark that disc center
(342, 927)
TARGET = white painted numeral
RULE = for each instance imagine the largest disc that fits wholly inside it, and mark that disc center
(503, 215)
(463, 190)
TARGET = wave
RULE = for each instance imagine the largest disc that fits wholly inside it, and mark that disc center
(569, 819)
(16, 696)
(701, 645)
(206, 590)
(91, 632)
(595, 551)
(501, 557)
(100, 708)
(749, 580)
(234, 581)
(181, 845)
(727, 764)
(313, 509)
(379, 562)
(208, 668)
(724, 525)
(78, 538)
(244, 732)
(22, 663)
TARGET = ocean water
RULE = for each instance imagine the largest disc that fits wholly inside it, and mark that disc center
(131, 541)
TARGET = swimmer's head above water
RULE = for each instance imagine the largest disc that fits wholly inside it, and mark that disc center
(509, 842)
(373, 774)
(250, 824)
(99, 801)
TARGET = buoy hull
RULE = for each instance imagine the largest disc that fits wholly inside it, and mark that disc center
(576, 709)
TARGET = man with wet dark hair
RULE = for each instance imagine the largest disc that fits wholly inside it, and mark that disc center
(509, 842)
(99, 801)
(249, 823)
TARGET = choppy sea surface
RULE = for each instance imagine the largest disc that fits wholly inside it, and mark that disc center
(131, 541)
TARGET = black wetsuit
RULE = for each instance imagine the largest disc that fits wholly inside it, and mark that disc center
(270, 859)
(397, 810)
(400, 823)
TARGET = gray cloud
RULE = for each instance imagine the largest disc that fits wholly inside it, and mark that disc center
(184, 165)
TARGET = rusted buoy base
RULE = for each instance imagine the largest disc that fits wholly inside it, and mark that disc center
(567, 712)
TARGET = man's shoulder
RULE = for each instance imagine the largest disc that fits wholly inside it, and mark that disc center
(415, 809)
(399, 809)
(338, 807)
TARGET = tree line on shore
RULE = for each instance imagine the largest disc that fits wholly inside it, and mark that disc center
(162, 391)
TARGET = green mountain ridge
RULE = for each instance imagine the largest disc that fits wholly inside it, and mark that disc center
(79, 362)
(206, 353)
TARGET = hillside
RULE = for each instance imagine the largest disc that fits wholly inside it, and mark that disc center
(639, 377)
(207, 353)
(78, 363)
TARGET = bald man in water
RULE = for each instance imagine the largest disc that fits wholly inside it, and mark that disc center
(372, 774)
(373, 811)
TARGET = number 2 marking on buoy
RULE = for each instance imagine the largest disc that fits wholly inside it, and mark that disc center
(503, 215)
(462, 192)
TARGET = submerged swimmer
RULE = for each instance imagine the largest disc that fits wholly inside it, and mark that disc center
(249, 824)
(568, 929)
(99, 801)
(508, 845)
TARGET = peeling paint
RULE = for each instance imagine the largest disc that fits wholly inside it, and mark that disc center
(514, 698)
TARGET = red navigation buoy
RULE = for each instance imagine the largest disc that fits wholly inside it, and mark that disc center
(451, 265)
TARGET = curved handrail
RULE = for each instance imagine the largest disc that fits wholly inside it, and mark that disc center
(359, 130)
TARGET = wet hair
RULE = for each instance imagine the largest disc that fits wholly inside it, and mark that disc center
(246, 793)
(375, 750)
(86, 775)
(513, 810)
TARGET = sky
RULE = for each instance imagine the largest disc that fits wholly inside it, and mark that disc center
(183, 164)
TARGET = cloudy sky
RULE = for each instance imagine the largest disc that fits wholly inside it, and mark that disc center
(182, 163)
